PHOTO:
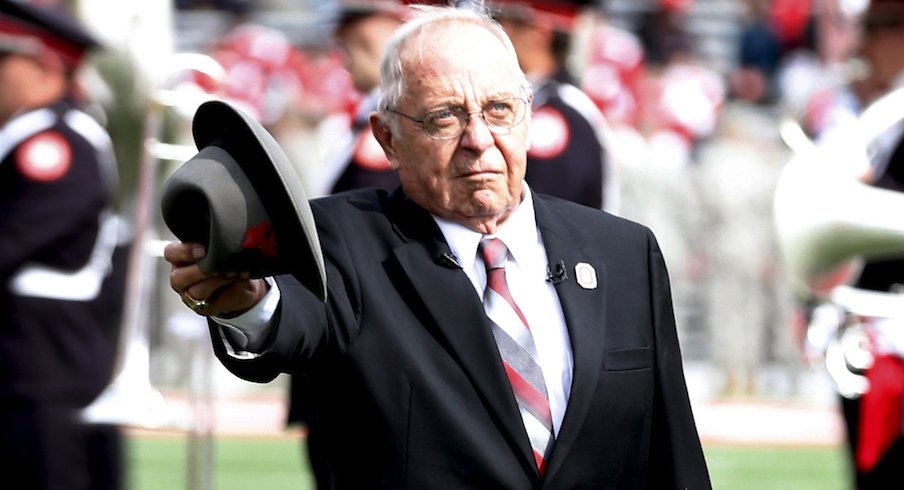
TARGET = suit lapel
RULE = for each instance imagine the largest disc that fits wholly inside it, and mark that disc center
(458, 316)
(584, 316)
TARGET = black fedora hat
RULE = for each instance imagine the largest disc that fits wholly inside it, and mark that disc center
(242, 198)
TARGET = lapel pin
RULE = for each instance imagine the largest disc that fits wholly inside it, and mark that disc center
(585, 275)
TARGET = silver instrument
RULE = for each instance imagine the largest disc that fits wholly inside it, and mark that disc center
(827, 223)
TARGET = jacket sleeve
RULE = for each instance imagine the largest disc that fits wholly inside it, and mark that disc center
(676, 459)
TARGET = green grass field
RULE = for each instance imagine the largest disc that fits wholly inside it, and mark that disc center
(161, 463)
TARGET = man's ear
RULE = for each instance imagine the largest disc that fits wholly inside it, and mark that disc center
(383, 133)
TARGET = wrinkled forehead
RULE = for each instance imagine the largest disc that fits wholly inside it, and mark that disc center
(458, 54)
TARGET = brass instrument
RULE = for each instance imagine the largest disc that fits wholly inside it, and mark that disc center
(828, 222)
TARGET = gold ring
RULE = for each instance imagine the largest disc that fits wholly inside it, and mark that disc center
(197, 305)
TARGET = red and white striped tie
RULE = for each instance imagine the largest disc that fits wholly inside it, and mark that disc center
(519, 354)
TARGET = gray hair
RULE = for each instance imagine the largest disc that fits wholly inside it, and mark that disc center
(391, 76)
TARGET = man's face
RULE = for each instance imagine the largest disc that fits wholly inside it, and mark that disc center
(362, 42)
(477, 177)
(18, 74)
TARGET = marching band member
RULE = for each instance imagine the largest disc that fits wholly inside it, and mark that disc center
(61, 296)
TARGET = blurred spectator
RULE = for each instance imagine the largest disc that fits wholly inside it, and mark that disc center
(813, 77)
(759, 56)
(682, 103)
(662, 31)
(837, 29)
(614, 71)
(735, 147)
(748, 298)
(362, 30)
(297, 94)
(567, 156)
(263, 71)
(681, 97)
(659, 111)
(60, 264)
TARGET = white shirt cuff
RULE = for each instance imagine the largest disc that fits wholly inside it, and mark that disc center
(244, 335)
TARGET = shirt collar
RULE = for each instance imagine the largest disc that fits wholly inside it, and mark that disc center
(519, 233)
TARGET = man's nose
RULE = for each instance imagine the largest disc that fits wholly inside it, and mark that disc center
(477, 135)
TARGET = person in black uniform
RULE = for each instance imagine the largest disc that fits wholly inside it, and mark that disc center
(873, 417)
(883, 40)
(362, 30)
(59, 296)
(567, 157)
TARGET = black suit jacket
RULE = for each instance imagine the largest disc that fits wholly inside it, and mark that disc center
(409, 383)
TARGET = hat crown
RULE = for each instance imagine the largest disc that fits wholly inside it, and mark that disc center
(241, 197)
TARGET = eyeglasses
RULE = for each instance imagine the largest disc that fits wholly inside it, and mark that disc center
(499, 115)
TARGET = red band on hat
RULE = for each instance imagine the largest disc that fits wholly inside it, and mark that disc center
(261, 237)
(70, 53)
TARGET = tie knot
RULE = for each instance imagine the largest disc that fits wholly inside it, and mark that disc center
(494, 252)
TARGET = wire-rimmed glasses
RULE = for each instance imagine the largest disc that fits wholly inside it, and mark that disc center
(500, 116)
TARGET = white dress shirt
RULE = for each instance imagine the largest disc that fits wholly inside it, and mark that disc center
(526, 271)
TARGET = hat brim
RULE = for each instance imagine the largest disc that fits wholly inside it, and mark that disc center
(276, 184)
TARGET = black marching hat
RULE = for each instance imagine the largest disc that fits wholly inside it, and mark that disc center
(29, 29)
(242, 198)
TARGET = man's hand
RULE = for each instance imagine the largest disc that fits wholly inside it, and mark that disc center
(225, 295)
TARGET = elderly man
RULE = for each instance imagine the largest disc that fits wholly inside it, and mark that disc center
(567, 375)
